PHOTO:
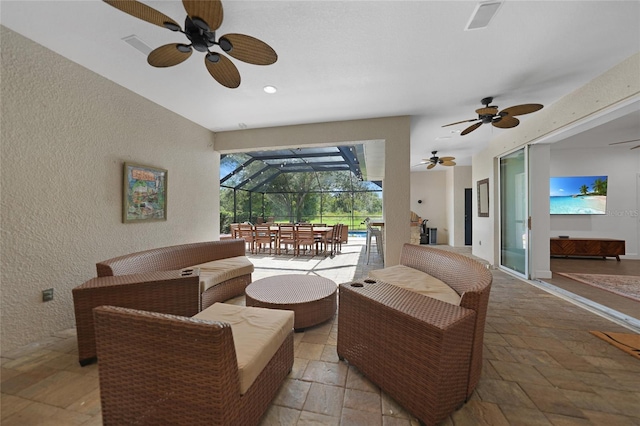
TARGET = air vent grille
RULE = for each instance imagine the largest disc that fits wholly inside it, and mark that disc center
(138, 44)
(482, 15)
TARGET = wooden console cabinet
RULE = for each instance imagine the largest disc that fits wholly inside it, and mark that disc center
(604, 247)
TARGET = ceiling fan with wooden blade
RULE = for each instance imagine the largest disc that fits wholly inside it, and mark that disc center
(435, 160)
(633, 140)
(204, 17)
(504, 119)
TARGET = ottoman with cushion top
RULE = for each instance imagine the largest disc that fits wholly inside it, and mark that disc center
(311, 298)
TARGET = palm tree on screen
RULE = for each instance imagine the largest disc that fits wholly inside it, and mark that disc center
(584, 189)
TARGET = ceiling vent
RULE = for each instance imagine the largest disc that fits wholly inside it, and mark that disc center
(482, 15)
(138, 44)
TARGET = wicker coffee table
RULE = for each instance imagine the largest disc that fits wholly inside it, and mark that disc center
(311, 298)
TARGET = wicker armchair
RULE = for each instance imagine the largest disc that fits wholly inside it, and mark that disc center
(425, 353)
(168, 292)
(158, 369)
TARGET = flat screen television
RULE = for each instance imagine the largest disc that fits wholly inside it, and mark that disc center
(578, 195)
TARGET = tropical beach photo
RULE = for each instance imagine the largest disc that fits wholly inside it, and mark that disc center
(578, 195)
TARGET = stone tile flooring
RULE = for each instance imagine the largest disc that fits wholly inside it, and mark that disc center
(541, 366)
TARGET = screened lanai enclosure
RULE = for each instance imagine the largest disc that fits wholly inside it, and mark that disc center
(302, 185)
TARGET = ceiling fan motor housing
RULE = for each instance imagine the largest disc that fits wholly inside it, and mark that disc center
(486, 118)
(200, 39)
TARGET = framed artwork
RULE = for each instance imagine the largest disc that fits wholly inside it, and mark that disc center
(483, 198)
(144, 198)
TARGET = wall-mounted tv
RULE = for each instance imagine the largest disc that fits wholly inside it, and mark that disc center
(578, 195)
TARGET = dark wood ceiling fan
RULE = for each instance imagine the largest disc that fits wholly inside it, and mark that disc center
(204, 17)
(634, 140)
(504, 119)
(435, 160)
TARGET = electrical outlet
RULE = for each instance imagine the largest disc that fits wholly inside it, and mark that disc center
(47, 295)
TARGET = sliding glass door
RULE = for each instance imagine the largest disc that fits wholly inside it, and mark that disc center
(514, 213)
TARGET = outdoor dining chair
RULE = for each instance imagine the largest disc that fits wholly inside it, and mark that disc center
(263, 236)
(286, 237)
(305, 238)
(245, 231)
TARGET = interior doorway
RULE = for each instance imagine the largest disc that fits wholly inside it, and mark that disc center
(468, 235)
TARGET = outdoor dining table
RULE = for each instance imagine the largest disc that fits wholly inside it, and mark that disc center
(318, 231)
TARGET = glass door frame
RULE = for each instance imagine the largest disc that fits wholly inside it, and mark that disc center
(525, 274)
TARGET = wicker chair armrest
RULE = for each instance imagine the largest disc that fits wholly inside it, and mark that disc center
(432, 316)
(417, 349)
(161, 369)
(169, 292)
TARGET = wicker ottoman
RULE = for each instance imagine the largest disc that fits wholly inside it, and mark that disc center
(311, 298)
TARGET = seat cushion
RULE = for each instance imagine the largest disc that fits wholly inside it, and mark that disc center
(417, 281)
(258, 333)
(217, 271)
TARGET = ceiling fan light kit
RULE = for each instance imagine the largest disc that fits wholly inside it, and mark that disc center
(202, 21)
(504, 119)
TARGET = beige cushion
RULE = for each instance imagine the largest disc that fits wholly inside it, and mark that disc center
(418, 281)
(258, 333)
(217, 271)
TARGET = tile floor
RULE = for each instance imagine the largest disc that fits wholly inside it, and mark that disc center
(541, 367)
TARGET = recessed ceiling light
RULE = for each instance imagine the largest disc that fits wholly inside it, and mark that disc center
(456, 131)
(270, 89)
(439, 138)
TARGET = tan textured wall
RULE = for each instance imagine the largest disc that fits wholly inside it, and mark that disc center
(393, 130)
(65, 133)
(458, 178)
(431, 188)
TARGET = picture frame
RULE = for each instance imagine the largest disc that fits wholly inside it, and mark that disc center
(144, 197)
(483, 198)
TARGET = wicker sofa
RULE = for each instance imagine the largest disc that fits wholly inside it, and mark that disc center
(222, 367)
(424, 352)
(225, 271)
(179, 280)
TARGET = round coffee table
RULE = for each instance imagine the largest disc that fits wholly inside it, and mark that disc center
(311, 298)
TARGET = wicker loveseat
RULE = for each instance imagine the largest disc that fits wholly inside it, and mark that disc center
(225, 271)
(222, 367)
(424, 352)
(178, 280)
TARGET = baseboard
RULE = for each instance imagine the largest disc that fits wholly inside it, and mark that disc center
(538, 275)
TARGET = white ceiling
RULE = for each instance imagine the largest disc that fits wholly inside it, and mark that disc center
(608, 135)
(341, 60)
